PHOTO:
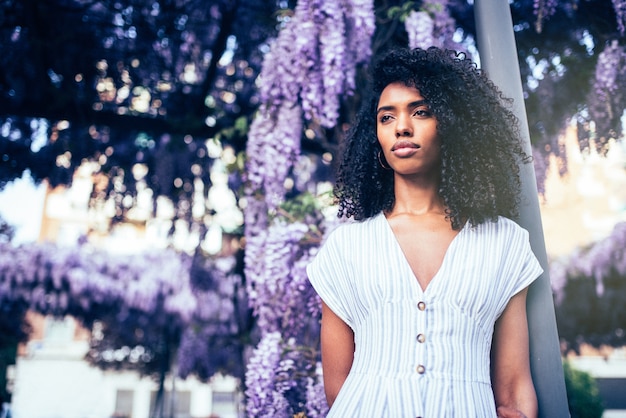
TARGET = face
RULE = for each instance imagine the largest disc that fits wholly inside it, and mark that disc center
(407, 131)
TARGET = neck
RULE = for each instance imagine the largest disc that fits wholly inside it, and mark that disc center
(417, 196)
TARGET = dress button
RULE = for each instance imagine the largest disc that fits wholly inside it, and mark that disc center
(421, 338)
(420, 369)
(421, 306)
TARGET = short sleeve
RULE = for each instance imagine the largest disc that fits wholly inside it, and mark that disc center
(329, 276)
(527, 268)
(519, 266)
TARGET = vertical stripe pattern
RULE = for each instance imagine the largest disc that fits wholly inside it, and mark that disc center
(420, 353)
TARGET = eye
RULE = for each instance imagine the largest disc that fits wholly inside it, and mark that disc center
(423, 112)
(385, 118)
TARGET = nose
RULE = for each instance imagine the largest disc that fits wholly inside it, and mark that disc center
(403, 126)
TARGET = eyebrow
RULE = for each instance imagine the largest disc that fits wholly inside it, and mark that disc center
(414, 104)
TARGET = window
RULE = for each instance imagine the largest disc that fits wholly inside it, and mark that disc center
(123, 404)
(224, 404)
(59, 331)
(182, 403)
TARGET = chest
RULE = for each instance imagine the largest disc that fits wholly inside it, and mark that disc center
(424, 249)
(475, 271)
(470, 282)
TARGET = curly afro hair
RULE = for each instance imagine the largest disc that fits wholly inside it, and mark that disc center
(480, 143)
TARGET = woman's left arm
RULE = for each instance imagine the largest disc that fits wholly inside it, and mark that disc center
(510, 362)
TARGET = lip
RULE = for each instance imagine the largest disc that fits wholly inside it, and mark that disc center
(404, 148)
(404, 145)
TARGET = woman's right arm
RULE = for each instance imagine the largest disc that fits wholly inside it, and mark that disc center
(337, 352)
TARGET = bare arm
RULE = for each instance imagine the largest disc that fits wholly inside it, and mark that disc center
(337, 352)
(510, 362)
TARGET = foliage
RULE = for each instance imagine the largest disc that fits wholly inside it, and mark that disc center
(312, 63)
(583, 396)
(13, 330)
(132, 86)
(139, 307)
(283, 375)
(590, 290)
(147, 82)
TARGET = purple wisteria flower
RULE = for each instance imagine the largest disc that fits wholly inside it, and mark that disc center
(310, 67)
(278, 288)
(432, 25)
(419, 26)
(598, 262)
(445, 27)
(61, 277)
(607, 95)
(262, 399)
(284, 380)
(590, 291)
(360, 25)
(315, 56)
(150, 291)
(332, 54)
(620, 14)
(541, 161)
(608, 68)
(317, 406)
(273, 148)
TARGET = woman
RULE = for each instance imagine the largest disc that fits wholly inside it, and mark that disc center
(424, 298)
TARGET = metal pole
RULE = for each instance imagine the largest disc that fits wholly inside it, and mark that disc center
(498, 57)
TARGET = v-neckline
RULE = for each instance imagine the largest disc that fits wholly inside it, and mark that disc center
(406, 263)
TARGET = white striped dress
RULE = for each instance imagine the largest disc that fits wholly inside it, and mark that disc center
(420, 353)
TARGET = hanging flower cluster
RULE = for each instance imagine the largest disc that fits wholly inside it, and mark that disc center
(310, 66)
(431, 25)
(284, 375)
(263, 400)
(604, 258)
(313, 60)
(124, 291)
(607, 96)
(608, 68)
(419, 26)
(214, 340)
(272, 150)
(283, 380)
(281, 289)
(60, 280)
(541, 162)
(590, 293)
(620, 13)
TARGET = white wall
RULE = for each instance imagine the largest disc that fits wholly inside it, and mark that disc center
(52, 381)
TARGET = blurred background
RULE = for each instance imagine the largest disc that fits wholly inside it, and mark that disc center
(165, 170)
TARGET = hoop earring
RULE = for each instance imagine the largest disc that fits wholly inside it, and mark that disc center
(380, 161)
